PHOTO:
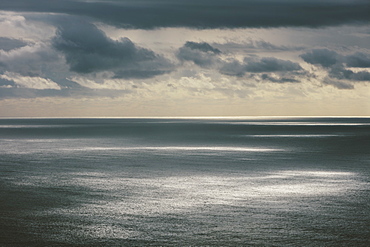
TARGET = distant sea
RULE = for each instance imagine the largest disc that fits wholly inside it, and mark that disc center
(185, 182)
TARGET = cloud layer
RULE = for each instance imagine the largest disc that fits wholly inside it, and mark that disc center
(205, 13)
(207, 56)
(77, 50)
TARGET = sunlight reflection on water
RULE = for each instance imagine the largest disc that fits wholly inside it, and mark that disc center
(199, 183)
(117, 199)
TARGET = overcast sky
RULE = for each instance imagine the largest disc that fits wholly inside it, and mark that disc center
(148, 58)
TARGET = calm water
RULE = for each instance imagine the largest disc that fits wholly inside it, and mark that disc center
(185, 182)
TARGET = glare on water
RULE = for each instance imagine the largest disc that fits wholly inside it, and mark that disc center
(184, 183)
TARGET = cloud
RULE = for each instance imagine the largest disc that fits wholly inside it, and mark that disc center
(323, 57)
(7, 44)
(278, 79)
(17, 86)
(261, 44)
(24, 28)
(359, 60)
(258, 65)
(233, 68)
(87, 49)
(339, 72)
(336, 65)
(79, 47)
(191, 13)
(4, 83)
(31, 82)
(206, 56)
(269, 64)
(202, 54)
(331, 59)
(204, 47)
(113, 84)
(23, 92)
(30, 60)
(338, 84)
(257, 45)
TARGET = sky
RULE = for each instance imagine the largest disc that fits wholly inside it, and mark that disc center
(183, 58)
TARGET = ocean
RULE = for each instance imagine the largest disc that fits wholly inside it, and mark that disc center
(185, 182)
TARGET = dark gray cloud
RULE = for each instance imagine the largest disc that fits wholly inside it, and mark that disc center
(340, 72)
(323, 57)
(263, 45)
(202, 54)
(205, 13)
(206, 56)
(87, 49)
(258, 65)
(233, 68)
(203, 46)
(359, 60)
(335, 64)
(6, 83)
(269, 64)
(359, 76)
(256, 45)
(8, 44)
(331, 59)
(278, 80)
(338, 84)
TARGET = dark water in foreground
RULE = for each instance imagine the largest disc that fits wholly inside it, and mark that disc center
(168, 182)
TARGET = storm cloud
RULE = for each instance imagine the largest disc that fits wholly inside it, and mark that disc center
(205, 13)
(87, 49)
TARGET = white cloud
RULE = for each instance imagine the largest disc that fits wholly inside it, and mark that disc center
(112, 84)
(17, 26)
(30, 82)
(199, 82)
(30, 60)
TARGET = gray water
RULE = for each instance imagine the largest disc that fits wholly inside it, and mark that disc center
(185, 182)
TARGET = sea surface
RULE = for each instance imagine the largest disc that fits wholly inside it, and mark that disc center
(185, 182)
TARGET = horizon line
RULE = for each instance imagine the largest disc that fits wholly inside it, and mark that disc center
(188, 117)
